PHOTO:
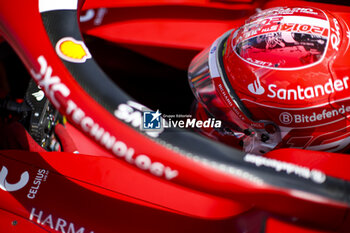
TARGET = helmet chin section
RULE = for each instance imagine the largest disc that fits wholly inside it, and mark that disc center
(261, 141)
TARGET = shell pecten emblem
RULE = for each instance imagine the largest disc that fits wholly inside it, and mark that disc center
(72, 50)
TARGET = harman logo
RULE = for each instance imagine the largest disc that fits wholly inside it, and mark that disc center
(4, 185)
(152, 120)
(256, 87)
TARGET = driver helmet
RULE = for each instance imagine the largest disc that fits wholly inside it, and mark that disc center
(280, 80)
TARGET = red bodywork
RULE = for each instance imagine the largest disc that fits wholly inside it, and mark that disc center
(95, 191)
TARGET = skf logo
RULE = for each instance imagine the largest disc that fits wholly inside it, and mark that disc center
(4, 185)
(72, 50)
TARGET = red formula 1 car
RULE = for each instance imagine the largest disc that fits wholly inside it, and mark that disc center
(73, 156)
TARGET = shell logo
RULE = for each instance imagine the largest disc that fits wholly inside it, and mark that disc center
(72, 50)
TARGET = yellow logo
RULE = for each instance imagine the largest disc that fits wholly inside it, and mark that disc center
(72, 50)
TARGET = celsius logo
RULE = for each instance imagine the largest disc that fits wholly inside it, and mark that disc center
(256, 87)
(4, 185)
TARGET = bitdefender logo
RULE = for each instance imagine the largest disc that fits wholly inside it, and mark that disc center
(317, 116)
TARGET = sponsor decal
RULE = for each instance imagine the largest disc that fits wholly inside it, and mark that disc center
(269, 38)
(231, 170)
(303, 28)
(90, 14)
(226, 96)
(6, 186)
(213, 49)
(55, 223)
(335, 35)
(101, 12)
(40, 177)
(72, 50)
(51, 84)
(39, 95)
(287, 11)
(212, 60)
(289, 168)
(259, 62)
(287, 118)
(118, 147)
(301, 93)
(275, 24)
(256, 87)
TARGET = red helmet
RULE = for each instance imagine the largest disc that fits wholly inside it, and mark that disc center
(280, 80)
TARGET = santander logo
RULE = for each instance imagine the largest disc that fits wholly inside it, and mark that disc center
(300, 93)
(256, 87)
(4, 185)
